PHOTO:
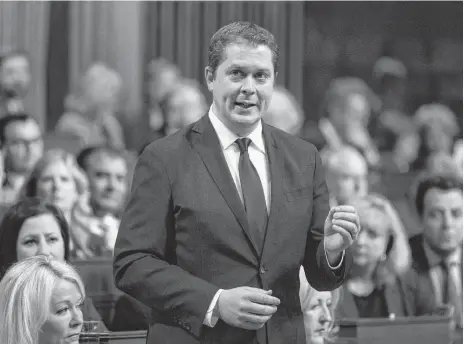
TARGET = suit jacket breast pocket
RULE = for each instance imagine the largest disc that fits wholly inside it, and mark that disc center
(299, 194)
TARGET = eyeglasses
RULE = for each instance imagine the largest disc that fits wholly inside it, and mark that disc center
(24, 142)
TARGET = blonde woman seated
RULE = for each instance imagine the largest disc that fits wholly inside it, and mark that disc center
(318, 311)
(60, 181)
(33, 227)
(40, 303)
(381, 283)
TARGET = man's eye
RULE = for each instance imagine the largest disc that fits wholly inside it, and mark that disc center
(236, 73)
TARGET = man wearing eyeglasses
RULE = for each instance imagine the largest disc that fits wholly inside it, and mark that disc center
(22, 143)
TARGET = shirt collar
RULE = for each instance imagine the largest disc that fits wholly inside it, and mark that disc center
(227, 137)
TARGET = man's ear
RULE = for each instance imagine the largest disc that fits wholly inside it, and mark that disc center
(275, 77)
(209, 77)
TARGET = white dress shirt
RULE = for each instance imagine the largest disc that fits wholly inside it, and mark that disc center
(258, 157)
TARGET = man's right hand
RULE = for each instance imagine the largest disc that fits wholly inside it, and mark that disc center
(246, 307)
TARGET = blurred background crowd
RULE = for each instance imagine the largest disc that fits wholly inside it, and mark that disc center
(376, 87)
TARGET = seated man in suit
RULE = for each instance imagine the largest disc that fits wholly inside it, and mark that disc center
(21, 140)
(95, 229)
(437, 253)
(223, 213)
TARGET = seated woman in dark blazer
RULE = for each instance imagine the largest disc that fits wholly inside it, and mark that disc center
(31, 227)
(381, 283)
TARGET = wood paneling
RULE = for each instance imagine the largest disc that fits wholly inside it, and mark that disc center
(181, 32)
(24, 25)
(58, 61)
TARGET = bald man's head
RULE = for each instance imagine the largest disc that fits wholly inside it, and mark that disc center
(346, 174)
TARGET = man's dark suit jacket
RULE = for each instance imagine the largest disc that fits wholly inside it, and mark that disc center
(184, 235)
(421, 264)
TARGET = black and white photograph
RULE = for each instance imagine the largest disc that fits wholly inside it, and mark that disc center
(231, 172)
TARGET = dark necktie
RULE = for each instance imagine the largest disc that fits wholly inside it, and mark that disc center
(451, 295)
(252, 190)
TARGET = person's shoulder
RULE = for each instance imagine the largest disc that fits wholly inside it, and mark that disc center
(290, 141)
(169, 146)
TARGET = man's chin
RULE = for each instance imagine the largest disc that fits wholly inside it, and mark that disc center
(246, 118)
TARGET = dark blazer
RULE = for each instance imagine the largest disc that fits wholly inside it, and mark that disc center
(405, 297)
(421, 264)
(184, 235)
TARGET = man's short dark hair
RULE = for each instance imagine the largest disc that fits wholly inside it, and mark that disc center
(9, 119)
(240, 32)
(445, 182)
(84, 155)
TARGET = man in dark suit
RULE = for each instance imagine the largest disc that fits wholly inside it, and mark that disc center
(223, 213)
(437, 253)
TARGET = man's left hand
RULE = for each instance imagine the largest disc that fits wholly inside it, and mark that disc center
(341, 228)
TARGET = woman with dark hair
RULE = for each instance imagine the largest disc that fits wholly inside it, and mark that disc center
(34, 227)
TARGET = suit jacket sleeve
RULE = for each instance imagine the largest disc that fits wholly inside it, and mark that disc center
(318, 272)
(144, 259)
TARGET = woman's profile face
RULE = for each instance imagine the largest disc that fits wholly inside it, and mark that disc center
(318, 317)
(64, 320)
(40, 235)
(56, 184)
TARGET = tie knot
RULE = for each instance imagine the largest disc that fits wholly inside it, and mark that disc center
(243, 144)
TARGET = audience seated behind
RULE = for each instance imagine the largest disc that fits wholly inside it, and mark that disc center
(33, 227)
(40, 302)
(57, 179)
(107, 171)
(437, 252)
(381, 283)
(17, 130)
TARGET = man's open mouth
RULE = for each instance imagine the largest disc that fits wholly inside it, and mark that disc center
(244, 105)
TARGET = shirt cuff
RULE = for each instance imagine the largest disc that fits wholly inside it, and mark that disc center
(210, 318)
(339, 264)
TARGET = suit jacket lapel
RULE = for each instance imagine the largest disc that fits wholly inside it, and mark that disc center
(207, 144)
(275, 163)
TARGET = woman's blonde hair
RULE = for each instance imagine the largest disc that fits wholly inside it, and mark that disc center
(25, 294)
(398, 255)
(307, 292)
(50, 157)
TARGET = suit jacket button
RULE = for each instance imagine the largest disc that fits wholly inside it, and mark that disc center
(188, 327)
(262, 270)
